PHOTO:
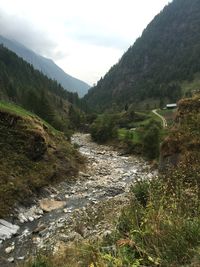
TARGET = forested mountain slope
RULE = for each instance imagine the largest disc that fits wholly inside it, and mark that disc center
(167, 53)
(46, 66)
(22, 84)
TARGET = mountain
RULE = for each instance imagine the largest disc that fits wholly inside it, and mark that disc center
(47, 66)
(157, 66)
(22, 84)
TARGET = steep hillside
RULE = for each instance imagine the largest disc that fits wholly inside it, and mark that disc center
(165, 57)
(33, 155)
(46, 66)
(20, 83)
(183, 143)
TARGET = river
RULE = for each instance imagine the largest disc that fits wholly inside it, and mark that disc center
(89, 204)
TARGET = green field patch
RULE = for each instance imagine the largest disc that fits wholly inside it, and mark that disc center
(133, 134)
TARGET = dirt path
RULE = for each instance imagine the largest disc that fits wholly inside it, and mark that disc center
(164, 122)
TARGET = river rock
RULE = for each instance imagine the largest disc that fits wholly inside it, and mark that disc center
(22, 218)
(30, 214)
(31, 219)
(107, 233)
(39, 228)
(7, 229)
(48, 205)
(8, 250)
(21, 258)
(11, 259)
(84, 174)
(74, 236)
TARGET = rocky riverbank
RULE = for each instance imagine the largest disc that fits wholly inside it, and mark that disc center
(81, 210)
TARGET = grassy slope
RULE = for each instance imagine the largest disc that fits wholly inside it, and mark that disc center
(33, 154)
(136, 134)
(17, 110)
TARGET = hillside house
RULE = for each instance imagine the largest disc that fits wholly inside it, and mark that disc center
(171, 106)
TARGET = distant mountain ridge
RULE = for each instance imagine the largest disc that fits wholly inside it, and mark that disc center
(21, 84)
(154, 69)
(47, 67)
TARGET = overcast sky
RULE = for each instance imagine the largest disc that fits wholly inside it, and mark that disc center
(84, 37)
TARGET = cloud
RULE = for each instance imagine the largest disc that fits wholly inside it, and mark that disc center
(85, 37)
(104, 40)
(24, 32)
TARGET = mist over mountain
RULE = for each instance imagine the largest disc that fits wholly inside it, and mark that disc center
(156, 66)
(21, 84)
(47, 67)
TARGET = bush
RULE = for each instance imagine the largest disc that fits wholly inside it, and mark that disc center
(141, 192)
(162, 222)
(40, 261)
(104, 128)
(151, 140)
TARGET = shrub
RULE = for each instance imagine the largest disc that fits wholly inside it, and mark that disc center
(151, 140)
(141, 192)
(104, 128)
(162, 222)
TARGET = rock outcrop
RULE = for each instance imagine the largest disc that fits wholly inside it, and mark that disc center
(183, 141)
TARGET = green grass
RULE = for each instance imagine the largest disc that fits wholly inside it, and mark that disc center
(122, 133)
(14, 109)
(141, 123)
(17, 110)
(156, 118)
(148, 116)
(136, 135)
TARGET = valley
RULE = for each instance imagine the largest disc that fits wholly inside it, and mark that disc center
(89, 204)
(107, 176)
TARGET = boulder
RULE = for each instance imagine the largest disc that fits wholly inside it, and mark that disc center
(7, 229)
(48, 205)
(8, 250)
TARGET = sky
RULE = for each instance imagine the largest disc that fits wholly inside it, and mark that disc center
(84, 37)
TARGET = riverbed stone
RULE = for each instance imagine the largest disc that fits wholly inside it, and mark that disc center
(84, 174)
(48, 205)
(8, 250)
(74, 236)
(21, 258)
(7, 229)
(39, 228)
(11, 259)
